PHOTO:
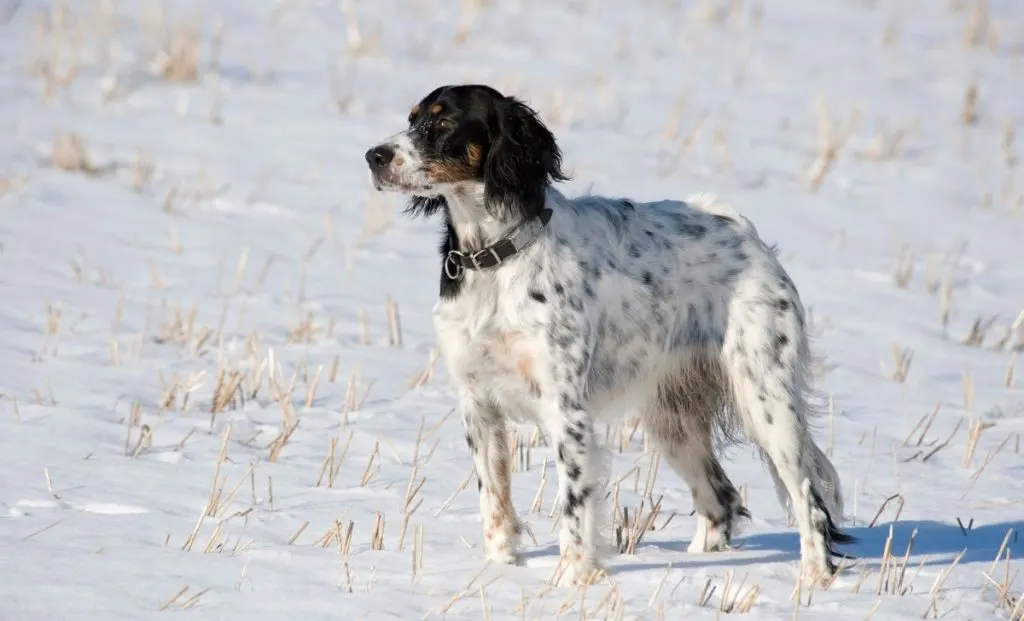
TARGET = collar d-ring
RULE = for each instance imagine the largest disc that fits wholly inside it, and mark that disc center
(452, 266)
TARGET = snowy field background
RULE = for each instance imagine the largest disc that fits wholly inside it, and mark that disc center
(218, 391)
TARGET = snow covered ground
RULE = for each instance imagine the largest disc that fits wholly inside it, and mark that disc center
(218, 395)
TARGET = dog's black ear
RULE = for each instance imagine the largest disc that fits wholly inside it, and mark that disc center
(522, 160)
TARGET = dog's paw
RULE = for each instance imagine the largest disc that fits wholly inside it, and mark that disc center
(817, 574)
(502, 556)
(576, 573)
(705, 541)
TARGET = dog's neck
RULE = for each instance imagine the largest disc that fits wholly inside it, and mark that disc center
(476, 223)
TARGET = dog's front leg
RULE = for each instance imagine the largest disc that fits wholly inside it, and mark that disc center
(570, 430)
(487, 437)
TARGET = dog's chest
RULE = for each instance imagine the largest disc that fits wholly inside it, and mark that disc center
(492, 345)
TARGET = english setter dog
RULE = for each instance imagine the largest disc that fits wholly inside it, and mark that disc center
(562, 310)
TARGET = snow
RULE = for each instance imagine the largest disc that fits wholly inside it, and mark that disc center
(227, 232)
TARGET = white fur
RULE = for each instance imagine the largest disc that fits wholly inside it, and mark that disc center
(675, 310)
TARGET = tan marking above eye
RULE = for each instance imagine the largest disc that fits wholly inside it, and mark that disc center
(436, 109)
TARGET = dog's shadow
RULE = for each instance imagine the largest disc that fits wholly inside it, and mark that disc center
(937, 540)
(940, 542)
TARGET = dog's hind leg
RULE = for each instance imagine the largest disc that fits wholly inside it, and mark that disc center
(679, 421)
(766, 357)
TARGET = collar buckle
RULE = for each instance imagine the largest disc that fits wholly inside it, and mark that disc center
(475, 257)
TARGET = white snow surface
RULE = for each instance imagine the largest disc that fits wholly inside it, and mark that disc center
(228, 234)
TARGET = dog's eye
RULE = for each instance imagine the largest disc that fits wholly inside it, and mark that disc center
(445, 124)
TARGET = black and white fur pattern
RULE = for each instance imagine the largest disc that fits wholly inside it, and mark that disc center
(676, 310)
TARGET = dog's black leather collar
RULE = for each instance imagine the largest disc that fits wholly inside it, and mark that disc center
(456, 262)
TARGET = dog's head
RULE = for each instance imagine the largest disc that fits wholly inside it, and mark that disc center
(461, 138)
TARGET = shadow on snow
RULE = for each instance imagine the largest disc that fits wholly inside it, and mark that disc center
(939, 541)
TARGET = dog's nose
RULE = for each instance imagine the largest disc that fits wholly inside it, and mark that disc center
(379, 157)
